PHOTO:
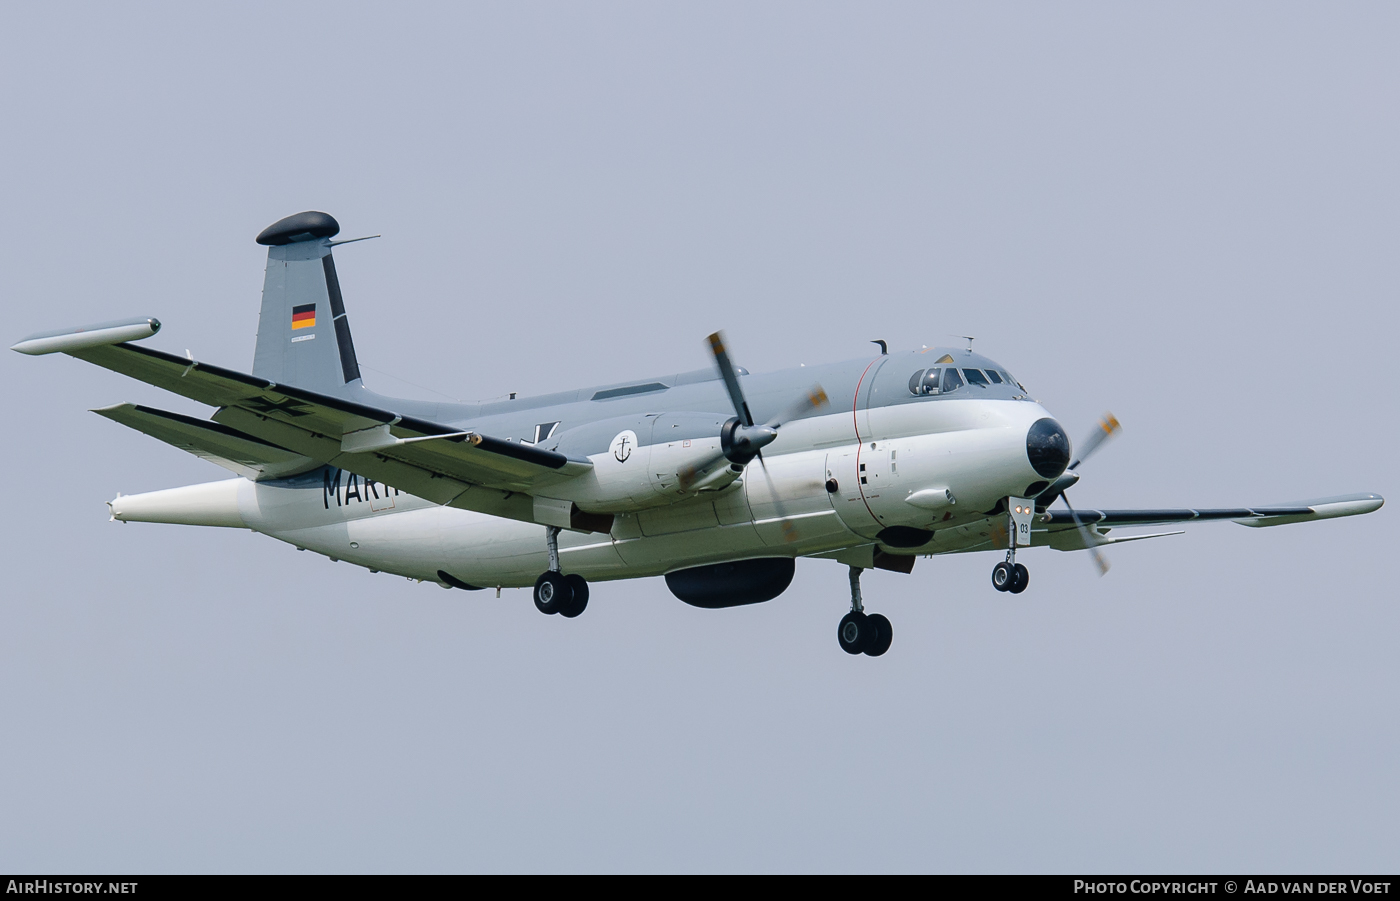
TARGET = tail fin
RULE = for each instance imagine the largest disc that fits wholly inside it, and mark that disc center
(303, 334)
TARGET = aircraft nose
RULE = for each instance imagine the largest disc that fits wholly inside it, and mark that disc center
(1047, 447)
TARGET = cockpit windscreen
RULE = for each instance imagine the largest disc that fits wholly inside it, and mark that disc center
(936, 381)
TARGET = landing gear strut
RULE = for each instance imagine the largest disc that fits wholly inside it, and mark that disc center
(861, 632)
(556, 592)
(1010, 575)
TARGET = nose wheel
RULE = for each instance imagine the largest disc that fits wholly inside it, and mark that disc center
(556, 592)
(860, 632)
(1012, 577)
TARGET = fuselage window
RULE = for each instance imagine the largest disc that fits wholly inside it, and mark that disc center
(975, 377)
(916, 382)
(951, 381)
(994, 376)
(931, 382)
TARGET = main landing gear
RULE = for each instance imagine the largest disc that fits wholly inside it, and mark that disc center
(861, 632)
(556, 592)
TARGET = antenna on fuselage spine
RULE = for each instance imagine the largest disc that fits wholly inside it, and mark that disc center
(969, 339)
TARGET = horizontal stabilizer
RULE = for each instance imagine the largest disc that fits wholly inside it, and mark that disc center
(236, 451)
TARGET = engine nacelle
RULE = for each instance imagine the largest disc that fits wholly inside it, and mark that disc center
(645, 457)
(732, 584)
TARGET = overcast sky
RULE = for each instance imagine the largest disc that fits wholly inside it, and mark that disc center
(1183, 213)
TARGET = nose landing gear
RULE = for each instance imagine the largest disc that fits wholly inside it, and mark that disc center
(1010, 575)
(556, 592)
(861, 632)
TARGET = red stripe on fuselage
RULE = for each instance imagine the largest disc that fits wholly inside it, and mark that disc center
(860, 442)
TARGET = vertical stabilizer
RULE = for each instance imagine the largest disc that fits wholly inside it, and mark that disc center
(303, 333)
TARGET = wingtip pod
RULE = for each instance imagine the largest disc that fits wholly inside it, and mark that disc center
(1323, 508)
(88, 336)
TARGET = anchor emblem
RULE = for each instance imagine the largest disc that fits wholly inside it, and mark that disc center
(622, 445)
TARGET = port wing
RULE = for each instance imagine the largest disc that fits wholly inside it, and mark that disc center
(429, 459)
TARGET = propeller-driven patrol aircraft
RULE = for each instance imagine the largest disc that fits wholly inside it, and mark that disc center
(714, 478)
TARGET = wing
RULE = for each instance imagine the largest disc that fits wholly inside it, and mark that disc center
(250, 457)
(460, 468)
(1064, 535)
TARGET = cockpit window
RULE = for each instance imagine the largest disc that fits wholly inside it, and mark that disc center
(1011, 380)
(928, 382)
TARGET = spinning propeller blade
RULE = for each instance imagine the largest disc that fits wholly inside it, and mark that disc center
(740, 440)
(1108, 427)
(1099, 559)
(692, 472)
(731, 378)
(814, 399)
(789, 530)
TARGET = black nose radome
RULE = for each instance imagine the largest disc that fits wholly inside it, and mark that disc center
(1047, 446)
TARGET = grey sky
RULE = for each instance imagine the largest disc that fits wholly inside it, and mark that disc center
(1182, 213)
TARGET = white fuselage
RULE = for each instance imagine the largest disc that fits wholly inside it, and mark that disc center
(939, 466)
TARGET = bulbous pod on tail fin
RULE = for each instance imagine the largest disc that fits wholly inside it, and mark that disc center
(303, 332)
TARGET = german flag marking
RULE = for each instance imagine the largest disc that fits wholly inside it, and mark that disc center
(304, 316)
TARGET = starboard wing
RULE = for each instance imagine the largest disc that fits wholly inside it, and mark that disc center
(1259, 516)
(235, 451)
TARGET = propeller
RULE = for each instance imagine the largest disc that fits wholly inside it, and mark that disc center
(1107, 427)
(740, 440)
(1100, 560)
